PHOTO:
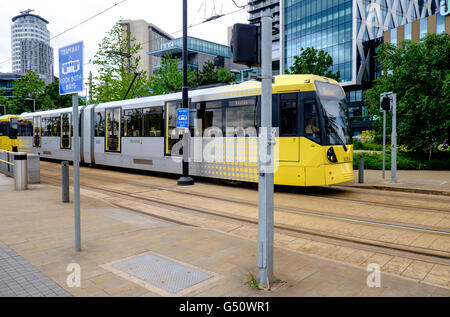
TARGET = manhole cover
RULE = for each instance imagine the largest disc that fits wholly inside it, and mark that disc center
(159, 274)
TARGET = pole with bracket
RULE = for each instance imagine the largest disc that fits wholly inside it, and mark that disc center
(185, 179)
(394, 140)
(266, 177)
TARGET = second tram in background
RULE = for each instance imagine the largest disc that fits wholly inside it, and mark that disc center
(310, 111)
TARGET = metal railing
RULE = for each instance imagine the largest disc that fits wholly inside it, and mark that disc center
(7, 163)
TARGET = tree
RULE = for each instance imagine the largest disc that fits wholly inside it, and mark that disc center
(4, 101)
(419, 74)
(168, 77)
(31, 86)
(212, 74)
(51, 99)
(117, 67)
(312, 61)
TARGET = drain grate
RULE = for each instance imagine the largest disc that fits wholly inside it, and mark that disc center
(160, 274)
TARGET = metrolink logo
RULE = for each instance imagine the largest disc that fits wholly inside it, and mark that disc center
(237, 145)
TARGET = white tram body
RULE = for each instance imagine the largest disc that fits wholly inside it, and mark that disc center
(139, 133)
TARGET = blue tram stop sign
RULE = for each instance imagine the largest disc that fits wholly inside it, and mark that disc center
(182, 118)
(71, 69)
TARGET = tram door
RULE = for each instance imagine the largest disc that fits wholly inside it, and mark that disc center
(113, 130)
(171, 125)
(37, 132)
(66, 129)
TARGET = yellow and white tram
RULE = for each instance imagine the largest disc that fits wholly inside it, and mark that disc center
(313, 146)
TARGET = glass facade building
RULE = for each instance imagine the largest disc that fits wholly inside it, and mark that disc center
(351, 31)
(199, 52)
(321, 24)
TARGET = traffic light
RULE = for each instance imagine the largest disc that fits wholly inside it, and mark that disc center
(245, 44)
(385, 103)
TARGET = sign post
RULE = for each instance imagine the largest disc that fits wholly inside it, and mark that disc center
(71, 83)
(185, 179)
(266, 177)
(388, 102)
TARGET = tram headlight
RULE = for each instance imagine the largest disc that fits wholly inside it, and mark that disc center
(331, 155)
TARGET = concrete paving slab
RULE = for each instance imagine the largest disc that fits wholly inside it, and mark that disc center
(109, 236)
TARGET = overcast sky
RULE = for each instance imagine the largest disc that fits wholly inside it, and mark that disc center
(166, 14)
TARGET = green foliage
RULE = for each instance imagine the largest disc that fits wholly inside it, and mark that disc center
(168, 78)
(212, 74)
(404, 161)
(50, 98)
(312, 61)
(31, 86)
(357, 145)
(419, 74)
(253, 282)
(116, 71)
(4, 101)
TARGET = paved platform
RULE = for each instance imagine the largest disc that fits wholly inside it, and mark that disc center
(37, 227)
(425, 182)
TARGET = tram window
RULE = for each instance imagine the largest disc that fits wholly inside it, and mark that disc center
(210, 113)
(132, 123)
(192, 127)
(56, 126)
(288, 114)
(51, 126)
(45, 127)
(153, 122)
(312, 125)
(100, 124)
(242, 116)
(3, 128)
(25, 128)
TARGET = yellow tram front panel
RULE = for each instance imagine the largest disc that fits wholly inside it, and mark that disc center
(6, 142)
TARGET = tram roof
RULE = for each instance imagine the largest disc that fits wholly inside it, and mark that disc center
(8, 117)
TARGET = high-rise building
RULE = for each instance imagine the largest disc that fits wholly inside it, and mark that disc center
(350, 31)
(30, 45)
(150, 37)
(255, 10)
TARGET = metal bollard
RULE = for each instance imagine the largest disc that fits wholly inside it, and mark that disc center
(65, 181)
(361, 169)
(20, 171)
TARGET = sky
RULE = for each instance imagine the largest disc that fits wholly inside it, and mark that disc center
(165, 14)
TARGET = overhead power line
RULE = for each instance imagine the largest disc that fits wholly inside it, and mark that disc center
(197, 24)
(242, 7)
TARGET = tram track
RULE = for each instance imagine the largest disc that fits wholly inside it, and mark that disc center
(304, 211)
(415, 251)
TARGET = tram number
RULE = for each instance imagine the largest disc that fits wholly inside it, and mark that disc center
(347, 159)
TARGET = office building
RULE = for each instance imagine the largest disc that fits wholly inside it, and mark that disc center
(350, 31)
(30, 45)
(150, 37)
(255, 10)
(199, 52)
